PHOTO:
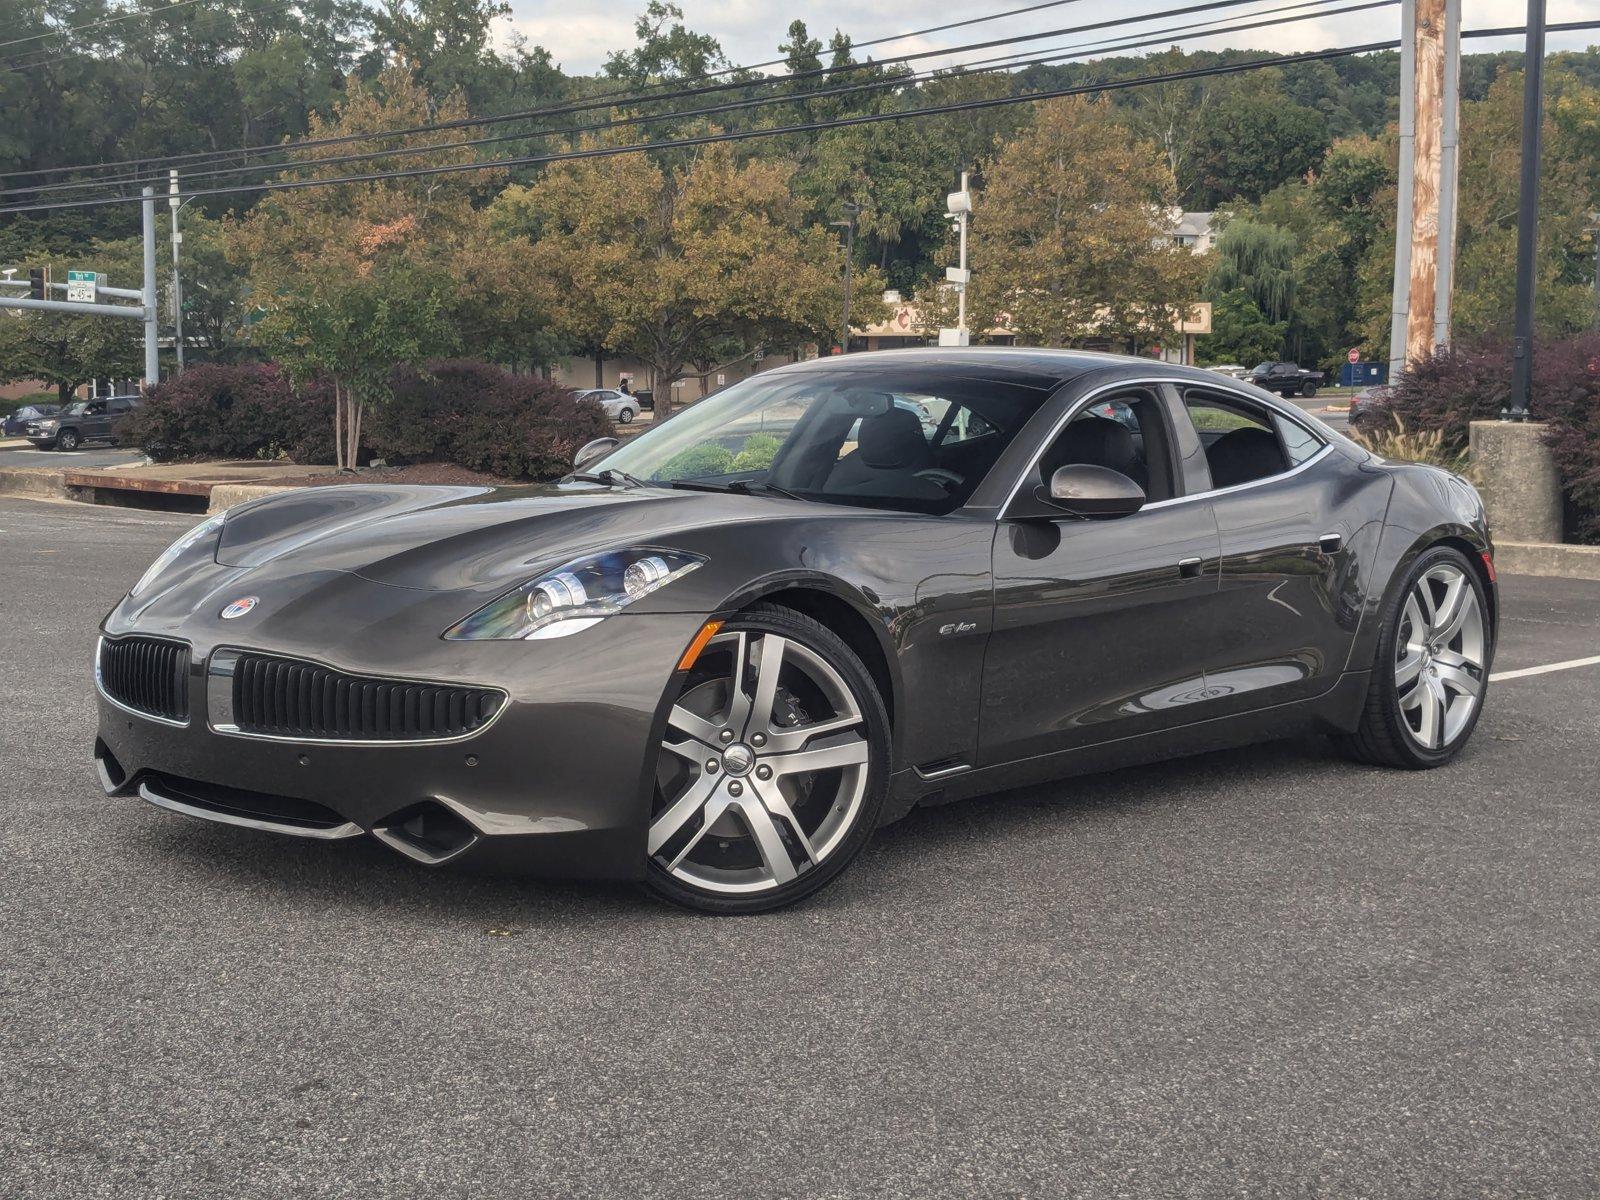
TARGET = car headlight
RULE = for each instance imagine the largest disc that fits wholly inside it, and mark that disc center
(48, 424)
(202, 538)
(575, 595)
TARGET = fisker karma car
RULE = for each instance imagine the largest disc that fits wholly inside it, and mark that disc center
(716, 658)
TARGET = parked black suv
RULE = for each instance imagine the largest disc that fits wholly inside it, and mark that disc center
(82, 421)
(1286, 379)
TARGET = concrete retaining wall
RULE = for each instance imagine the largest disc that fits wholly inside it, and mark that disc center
(42, 485)
(1547, 558)
(226, 495)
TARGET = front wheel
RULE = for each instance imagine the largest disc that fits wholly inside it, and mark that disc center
(67, 439)
(1308, 390)
(773, 768)
(1432, 667)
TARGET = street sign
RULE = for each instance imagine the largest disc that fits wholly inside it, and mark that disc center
(1354, 356)
(82, 286)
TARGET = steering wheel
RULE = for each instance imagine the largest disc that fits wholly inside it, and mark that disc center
(948, 480)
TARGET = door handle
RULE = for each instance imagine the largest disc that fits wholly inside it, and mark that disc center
(1189, 568)
(1331, 542)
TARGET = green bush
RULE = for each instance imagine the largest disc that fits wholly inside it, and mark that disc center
(759, 451)
(708, 458)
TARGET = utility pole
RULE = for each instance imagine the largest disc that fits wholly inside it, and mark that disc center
(852, 211)
(1449, 174)
(1400, 306)
(958, 205)
(1528, 213)
(177, 281)
(1427, 35)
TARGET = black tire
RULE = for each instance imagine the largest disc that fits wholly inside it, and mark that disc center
(67, 439)
(1308, 390)
(625, 417)
(822, 641)
(1384, 737)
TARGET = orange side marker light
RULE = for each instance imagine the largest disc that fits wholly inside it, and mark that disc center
(707, 632)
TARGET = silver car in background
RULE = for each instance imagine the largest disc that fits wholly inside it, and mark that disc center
(619, 406)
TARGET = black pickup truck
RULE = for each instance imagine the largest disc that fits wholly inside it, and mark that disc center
(1286, 379)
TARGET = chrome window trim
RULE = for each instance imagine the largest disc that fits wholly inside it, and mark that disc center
(1180, 383)
(219, 704)
(99, 686)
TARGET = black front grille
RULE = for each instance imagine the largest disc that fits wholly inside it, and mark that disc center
(147, 674)
(285, 698)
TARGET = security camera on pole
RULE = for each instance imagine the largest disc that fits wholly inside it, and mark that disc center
(959, 206)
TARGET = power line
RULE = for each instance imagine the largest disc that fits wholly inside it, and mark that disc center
(806, 127)
(123, 16)
(740, 135)
(1003, 62)
(610, 101)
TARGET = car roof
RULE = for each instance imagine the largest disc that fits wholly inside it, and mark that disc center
(1025, 366)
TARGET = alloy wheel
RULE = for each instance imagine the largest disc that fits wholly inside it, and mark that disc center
(1439, 657)
(766, 767)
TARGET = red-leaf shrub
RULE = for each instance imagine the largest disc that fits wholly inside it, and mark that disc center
(1448, 391)
(484, 418)
(247, 411)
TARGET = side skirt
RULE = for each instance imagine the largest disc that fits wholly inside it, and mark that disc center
(1335, 711)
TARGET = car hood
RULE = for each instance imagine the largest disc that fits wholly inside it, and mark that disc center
(467, 539)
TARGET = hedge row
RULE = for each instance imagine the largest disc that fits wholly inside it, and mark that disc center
(468, 413)
(1450, 390)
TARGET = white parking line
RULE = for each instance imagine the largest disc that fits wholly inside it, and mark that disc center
(1498, 676)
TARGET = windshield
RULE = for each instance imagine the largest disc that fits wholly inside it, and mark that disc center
(919, 444)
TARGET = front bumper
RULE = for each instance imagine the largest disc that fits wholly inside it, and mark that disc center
(558, 784)
(42, 440)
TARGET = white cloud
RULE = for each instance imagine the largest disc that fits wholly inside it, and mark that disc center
(750, 30)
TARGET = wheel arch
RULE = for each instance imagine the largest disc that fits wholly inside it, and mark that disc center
(828, 603)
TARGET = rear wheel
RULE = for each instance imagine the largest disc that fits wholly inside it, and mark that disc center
(625, 416)
(1432, 666)
(67, 439)
(773, 768)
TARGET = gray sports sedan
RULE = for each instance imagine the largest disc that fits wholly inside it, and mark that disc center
(715, 659)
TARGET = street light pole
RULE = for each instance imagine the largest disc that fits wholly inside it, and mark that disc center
(177, 281)
(152, 325)
(1528, 213)
(852, 211)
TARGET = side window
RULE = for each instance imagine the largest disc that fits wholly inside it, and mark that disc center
(1127, 433)
(96, 409)
(1240, 442)
(1299, 443)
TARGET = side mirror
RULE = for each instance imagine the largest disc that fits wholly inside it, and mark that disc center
(590, 451)
(1085, 490)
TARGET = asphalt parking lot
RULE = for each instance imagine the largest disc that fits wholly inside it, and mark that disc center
(1264, 972)
(18, 454)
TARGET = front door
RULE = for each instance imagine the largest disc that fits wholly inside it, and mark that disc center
(1291, 587)
(1101, 627)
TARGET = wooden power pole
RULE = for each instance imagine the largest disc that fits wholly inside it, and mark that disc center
(1426, 178)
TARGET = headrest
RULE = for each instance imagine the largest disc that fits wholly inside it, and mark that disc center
(892, 441)
(1096, 440)
(1241, 455)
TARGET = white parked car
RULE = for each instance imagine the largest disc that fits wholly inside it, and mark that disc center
(619, 406)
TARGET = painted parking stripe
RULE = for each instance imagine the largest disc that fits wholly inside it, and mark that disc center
(1546, 669)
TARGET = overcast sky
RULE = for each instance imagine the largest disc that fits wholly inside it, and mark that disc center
(750, 30)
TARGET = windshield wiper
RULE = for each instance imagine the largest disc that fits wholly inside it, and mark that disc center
(753, 486)
(739, 487)
(610, 476)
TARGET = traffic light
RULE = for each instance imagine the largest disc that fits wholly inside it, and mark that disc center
(39, 283)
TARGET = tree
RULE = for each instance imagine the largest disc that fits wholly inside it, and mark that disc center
(1257, 260)
(1070, 236)
(1253, 138)
(1240, 333)
(68, 351)
(660, 262)
(355, 330)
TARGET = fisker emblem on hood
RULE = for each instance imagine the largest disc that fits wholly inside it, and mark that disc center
(239, 607)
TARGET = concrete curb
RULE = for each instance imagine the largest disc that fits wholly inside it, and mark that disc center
(226, 495)
(44, 485)
(1548, 559)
